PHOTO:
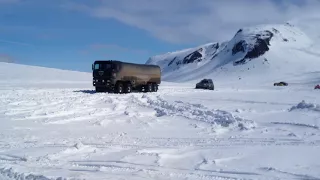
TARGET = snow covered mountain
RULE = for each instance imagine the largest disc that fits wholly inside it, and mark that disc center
(269, 52)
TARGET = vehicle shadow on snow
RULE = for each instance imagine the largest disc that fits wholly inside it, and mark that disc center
(94, 92)
(87, 91)
(123, 164)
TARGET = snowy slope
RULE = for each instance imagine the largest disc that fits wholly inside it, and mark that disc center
(12, 74)
(61, 129)
(266, 52)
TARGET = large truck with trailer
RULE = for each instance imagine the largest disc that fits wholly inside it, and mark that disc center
(123, 77)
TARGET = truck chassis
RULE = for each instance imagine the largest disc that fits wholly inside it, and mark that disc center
(121, 87)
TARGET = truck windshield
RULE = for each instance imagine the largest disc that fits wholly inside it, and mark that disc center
(102, 66)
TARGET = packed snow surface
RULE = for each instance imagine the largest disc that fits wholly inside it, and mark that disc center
(54, 126)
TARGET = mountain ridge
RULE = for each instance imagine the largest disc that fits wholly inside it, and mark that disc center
(266, 46)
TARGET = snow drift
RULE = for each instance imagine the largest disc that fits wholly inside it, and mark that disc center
(268, 51)
(306, 106)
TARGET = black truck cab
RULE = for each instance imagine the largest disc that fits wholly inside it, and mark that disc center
(104, 73)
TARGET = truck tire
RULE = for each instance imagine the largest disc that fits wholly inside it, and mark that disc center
(141, 88)
(154, 87)
(149, 87)
(127, 87)
(99, 89)
(119, 88)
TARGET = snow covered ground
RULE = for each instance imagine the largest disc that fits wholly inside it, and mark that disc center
(54, 126)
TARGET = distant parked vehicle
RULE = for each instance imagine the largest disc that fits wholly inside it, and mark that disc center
(280, 84)
(122, 77)
(205, 84)
(317, 86)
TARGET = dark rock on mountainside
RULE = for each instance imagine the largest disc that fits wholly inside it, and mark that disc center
(172, 61)
(195, 56)
(215, 46)
(275, 30)
(190, 58)
(239, 31)
(239, 47)
(260, 47)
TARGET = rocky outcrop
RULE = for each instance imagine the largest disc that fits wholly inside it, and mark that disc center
(256, 47)
(184, 57)
(195, 56)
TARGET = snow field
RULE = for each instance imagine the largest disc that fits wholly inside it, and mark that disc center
(176, 133)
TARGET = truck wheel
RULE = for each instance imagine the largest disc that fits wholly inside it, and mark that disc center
(149, 87)
(154, 87)
(98, 89)
(119, 88)
(128, 88)
(141, 88)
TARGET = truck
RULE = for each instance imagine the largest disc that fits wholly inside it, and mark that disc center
(124, 77)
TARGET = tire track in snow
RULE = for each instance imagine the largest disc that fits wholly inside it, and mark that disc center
(199, 142)
(10, 174)
(11, 158)
(62, 107)
(57, 106)
(297, 124)
(194, 112)
(69, 107)
(294, 175)
(151, 171)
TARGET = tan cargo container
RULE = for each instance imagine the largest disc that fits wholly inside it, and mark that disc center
(123, 77)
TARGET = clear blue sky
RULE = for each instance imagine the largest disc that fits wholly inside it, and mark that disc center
(72, 34)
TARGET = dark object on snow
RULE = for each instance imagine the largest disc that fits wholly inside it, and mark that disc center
(123, 77)
(280, 84)
(317, 86)
(205, 84)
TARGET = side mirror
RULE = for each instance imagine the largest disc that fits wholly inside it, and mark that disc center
(92, 67)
